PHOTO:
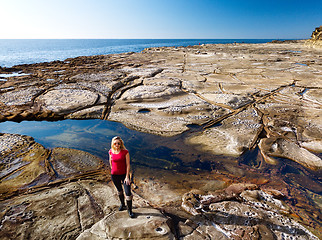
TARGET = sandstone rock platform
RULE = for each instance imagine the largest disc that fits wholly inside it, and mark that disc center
(254, 91)
(241, 97)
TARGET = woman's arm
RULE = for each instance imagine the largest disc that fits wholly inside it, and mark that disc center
(128, 167)
(110, 160)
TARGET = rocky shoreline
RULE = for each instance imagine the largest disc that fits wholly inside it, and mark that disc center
(242, 96)
(267, 90)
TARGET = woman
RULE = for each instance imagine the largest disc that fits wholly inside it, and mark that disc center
(120, 172)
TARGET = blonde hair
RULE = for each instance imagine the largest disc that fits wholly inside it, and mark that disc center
(122, 147)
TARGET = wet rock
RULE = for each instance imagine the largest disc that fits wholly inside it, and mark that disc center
(275, 193)
(164, 188)
(294, 118)
(26, 165)
(236, 189)
(195, 200)
(157, 193)
(206, 231)
(286, 149)
(69, 162)
(185, 228)
(147, 224)
(23, 163)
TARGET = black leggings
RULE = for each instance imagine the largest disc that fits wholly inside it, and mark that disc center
(117, 180)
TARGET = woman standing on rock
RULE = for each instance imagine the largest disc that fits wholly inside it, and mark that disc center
(120, 172)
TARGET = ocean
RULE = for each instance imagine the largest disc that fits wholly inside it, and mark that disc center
(26, 51)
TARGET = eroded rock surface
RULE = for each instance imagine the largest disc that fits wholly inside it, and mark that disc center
(239, 212)
(67, 100)
(233, 136)
(55, 213)
(148, 224)
(285, 149)
(65, 211)
(23, 163)
(241, 95)
(234, 91)
(27, 164)
(59, 194)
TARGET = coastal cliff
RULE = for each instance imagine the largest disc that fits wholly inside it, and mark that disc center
(316, 38)
(242, 98)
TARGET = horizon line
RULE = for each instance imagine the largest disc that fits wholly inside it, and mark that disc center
(153, 38)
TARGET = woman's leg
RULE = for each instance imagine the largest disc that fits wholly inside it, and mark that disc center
(127, 189)
(117, 180)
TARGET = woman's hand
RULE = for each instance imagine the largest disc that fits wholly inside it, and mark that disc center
(127, 180)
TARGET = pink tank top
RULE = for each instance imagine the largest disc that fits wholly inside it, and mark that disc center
(118, 162)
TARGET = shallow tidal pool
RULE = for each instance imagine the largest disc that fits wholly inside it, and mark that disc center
(94, 136)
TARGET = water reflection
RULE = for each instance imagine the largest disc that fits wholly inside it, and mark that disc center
(94, 136)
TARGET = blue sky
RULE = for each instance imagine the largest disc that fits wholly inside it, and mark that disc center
(282, 19)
